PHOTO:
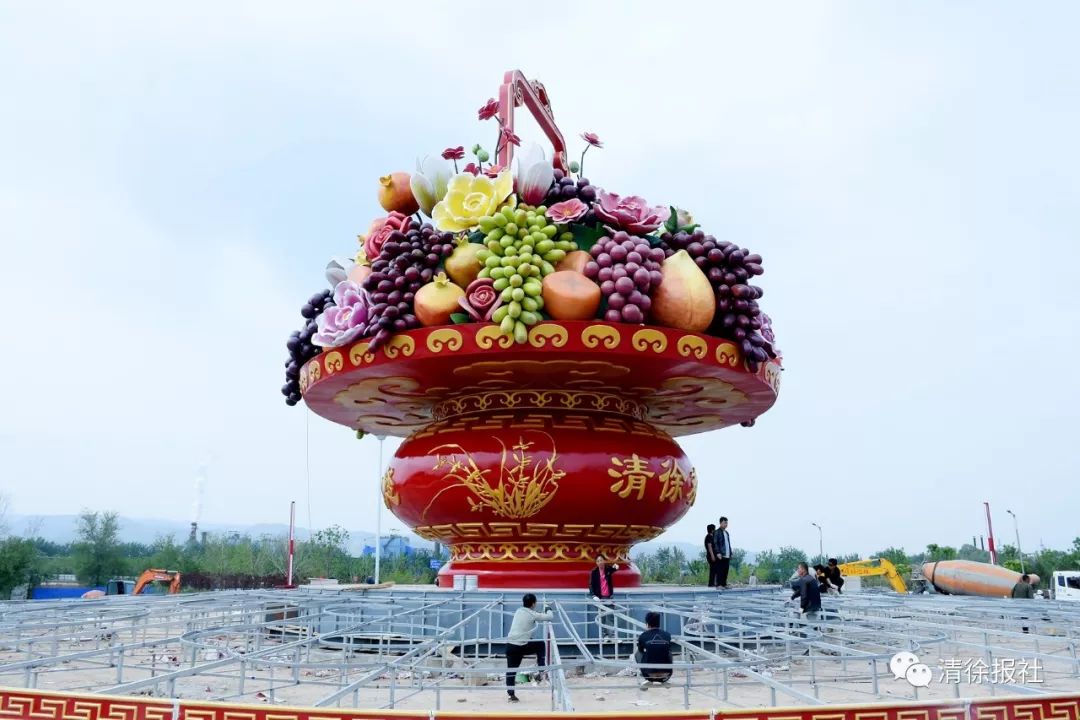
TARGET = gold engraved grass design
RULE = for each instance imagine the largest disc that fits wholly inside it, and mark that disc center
(521, 489)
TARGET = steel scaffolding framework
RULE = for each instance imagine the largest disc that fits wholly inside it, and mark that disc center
(423, 649)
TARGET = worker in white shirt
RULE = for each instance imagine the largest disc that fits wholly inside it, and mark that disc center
(519, 642)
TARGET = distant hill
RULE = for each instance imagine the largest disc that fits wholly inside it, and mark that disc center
(61, 529)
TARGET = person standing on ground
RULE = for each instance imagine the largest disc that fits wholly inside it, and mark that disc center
(710, 554)
(602, 588)
(1023, 591)
(654, 648)
(519, 642)
(723, 552)
(836, 578)
(807, 590)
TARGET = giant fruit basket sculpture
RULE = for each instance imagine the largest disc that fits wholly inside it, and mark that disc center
(538, 341)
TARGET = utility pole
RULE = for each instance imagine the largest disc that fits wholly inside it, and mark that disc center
(820, 542)
(1016, 527)
(378, 510)
(292, 545)
(990, 536)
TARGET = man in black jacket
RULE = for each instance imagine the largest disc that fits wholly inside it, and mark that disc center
(723, 553)
(836, 578)
(809, 593)
(710, 555)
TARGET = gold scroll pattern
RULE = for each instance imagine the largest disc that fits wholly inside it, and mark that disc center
(579, 400)
(547, 552)
(456, 533)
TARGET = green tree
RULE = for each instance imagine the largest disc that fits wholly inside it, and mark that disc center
(666, 565)
(970, 552)
(19, 564)
(325, 554)
(935, 552)
(766, 570)
(165, 554)
(98, 554)
(787, 559)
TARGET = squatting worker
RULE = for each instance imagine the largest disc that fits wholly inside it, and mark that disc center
(519, 642)
(836, 578)
(654, 648)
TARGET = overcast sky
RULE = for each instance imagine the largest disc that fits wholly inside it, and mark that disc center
(172, 185)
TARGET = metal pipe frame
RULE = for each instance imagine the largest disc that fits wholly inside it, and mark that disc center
(409, 648)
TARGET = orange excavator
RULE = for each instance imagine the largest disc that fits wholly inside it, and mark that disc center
(127, 587)
(170, 576)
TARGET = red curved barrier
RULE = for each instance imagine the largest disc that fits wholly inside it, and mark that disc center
(20, 704)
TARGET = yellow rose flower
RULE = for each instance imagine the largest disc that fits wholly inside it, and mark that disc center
(469, 198)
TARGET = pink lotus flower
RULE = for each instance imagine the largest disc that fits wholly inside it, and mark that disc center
(454, 153)
(490, 109)
(345, 320)
(631, 214)
(509, 136)
(382, 229)
(567, 211)
(480, 300)
(535, 173)
(592, 138)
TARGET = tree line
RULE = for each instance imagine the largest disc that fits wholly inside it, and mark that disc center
(220, 561)
(671, 564)
(229, 561)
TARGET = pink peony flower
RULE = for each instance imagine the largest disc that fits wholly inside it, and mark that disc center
(382, 229)
(592, 138)
(345, 320)
(454, 153)
(567, 211)
(481, 299)
(490, 109)
(631, 214)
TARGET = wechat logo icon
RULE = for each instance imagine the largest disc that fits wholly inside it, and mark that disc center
(906, 666)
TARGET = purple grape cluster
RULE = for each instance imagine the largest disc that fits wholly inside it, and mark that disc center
(627, 268)
(406, 262)
(299, 345)
(566, 188)
(729, 269)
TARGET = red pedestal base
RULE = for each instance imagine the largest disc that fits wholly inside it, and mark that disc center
(529, 461)
(536, 575)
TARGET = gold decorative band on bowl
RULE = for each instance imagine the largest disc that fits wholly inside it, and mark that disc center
(575, 400)
(546, 552)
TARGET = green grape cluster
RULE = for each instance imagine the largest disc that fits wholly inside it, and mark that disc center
(520, 248)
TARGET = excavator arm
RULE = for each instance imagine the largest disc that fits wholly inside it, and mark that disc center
(153, 575)
(875, 567)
